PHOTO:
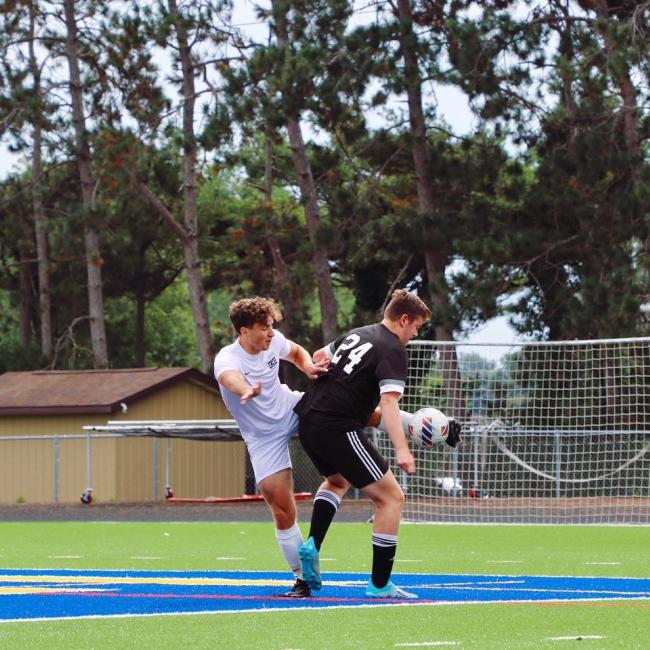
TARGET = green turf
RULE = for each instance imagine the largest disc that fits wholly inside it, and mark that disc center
(598, 551)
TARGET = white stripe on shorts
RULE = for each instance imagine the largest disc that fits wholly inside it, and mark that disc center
(364, 456)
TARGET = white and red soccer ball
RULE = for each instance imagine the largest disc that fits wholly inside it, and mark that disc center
(428, 427)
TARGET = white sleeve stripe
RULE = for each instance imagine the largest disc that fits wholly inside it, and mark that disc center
(392, 382)
(391, 388)
(329, 351)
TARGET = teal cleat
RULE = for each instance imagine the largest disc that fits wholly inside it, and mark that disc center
(310, 564)
(389, 591)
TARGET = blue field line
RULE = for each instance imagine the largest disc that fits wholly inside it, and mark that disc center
(29, 594)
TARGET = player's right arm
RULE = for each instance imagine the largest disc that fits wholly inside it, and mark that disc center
(234, 381)
(323, 356)
(389, 404)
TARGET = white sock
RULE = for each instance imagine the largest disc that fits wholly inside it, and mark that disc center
(289, 541)
(404, 416)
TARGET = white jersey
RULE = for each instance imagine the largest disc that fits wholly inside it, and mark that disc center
(270, 413)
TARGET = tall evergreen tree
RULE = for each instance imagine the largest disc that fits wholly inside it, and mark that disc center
(72, 10)
(25, 61)
(189, 33)
(291, 59)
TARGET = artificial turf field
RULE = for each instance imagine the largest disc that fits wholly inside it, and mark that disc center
(151, 559)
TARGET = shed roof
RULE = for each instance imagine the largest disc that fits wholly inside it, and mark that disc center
(59, 392)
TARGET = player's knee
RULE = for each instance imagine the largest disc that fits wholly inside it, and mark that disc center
(397, 497)
(284, 514)
(336, 484)
(390, 497)
(284, 519)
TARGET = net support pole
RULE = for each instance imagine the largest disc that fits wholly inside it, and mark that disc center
(557, 462)
(475, 450)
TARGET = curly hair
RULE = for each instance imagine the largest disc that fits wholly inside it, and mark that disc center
(403, 302)
(248, 311)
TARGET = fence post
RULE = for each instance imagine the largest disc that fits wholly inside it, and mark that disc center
(55, 450)
(168, 468)
(154, 446)
(89, 461)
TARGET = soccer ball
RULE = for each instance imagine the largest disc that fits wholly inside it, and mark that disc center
(428, 427)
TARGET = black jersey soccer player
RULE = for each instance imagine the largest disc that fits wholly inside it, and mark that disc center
(368, 366)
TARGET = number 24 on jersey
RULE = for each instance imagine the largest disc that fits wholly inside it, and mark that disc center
(355, 355)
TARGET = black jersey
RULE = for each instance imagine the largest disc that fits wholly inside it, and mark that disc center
(367, 361)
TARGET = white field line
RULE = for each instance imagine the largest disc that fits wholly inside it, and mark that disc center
(425, 643)
(592, 592)
(510, 523)
(604, 563)
(581, 637)
(229, 557)
(64, 557)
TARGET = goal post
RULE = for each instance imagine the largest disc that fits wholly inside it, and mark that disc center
(554, 432)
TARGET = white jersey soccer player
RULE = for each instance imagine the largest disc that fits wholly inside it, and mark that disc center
(267, 422)
(248, 375)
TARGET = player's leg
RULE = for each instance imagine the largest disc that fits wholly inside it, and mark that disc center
(272, 467)
(277, 490)
(326, 504)
(388, 498)
(326, 501)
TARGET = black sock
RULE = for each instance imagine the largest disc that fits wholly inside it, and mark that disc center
(326, 505)
(383, 556)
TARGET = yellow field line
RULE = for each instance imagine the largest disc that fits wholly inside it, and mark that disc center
(103, 580)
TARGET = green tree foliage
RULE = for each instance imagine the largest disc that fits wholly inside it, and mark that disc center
(540, 206)
(574, 246)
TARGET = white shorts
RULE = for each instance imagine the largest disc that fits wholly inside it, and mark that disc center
(270, 454)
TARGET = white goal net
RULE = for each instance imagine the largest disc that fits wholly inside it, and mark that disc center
(553, 432)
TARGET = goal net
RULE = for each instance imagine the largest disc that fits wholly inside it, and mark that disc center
(554, 432)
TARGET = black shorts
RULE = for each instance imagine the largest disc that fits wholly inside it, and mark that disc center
(346, 451)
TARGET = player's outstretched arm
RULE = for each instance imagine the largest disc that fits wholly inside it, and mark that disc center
(389, 404)
(234, 381)
(303, 361)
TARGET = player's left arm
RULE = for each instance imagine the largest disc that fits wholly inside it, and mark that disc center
(389, 404)
(303, 361)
